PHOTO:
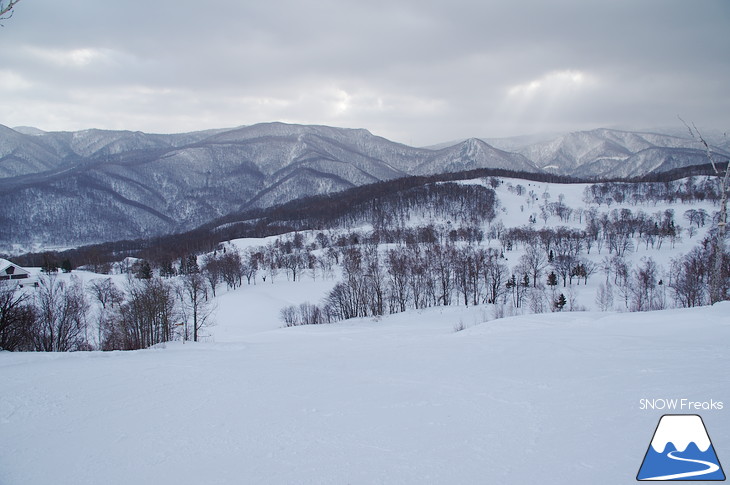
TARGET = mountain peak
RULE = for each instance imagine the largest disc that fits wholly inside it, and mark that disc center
(29, 130)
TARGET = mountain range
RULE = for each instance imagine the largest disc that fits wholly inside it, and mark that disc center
(71, 188)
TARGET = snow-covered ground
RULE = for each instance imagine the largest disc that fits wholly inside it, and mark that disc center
(551, 398)
(546, 399)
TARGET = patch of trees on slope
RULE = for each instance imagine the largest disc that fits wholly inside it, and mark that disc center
(317, 212)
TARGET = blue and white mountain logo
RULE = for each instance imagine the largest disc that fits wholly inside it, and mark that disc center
(681, 450)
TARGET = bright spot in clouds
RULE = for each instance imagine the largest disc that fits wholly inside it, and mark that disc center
(554, 82)
(69, 57)
(343, 101)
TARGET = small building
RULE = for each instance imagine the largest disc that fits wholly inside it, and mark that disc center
(11, 271)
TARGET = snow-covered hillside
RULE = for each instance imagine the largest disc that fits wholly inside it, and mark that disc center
(549, 399)
(516, 210)
(447, 394)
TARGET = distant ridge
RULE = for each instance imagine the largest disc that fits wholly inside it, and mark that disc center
(90, 186)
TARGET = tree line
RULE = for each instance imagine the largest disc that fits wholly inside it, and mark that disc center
(64, 315)
(690, 189)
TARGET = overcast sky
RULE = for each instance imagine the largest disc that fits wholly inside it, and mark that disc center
(419, 72)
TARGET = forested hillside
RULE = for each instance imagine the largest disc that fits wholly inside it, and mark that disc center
(510, 245)
(66, 189)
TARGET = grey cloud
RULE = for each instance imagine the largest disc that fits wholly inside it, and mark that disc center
(417, 71)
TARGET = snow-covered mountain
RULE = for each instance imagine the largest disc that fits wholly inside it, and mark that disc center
(610, 153)
(89, 186)
(70, 188)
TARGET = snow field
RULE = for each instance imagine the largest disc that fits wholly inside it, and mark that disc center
(550, 398)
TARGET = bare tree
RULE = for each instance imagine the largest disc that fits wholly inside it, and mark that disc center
(6, 8)
(691, 216)
(604, 296)
(644, 290)
(689, 277)
(290, 316)
(535, 260)
(251, 264)
(342, 302)
(212, 271)
(563, 264)
(442, 259)
(196, 308)
(294, 263)
(495, 276)
(716, 275)
(107, 294)
(61, 315)
(231, 267)
(147, 317)
(376, 279)
(16, 316)
(397, 264)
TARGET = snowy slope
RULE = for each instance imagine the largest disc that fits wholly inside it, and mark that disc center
(547, 399)
(515, 211)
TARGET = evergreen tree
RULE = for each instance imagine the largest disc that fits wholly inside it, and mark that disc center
(191, 265)
(49, 265)
(166, 269)
(144, 271)
(552, 279)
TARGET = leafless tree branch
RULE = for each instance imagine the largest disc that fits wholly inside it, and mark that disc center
(717, 278)
(7, 8)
